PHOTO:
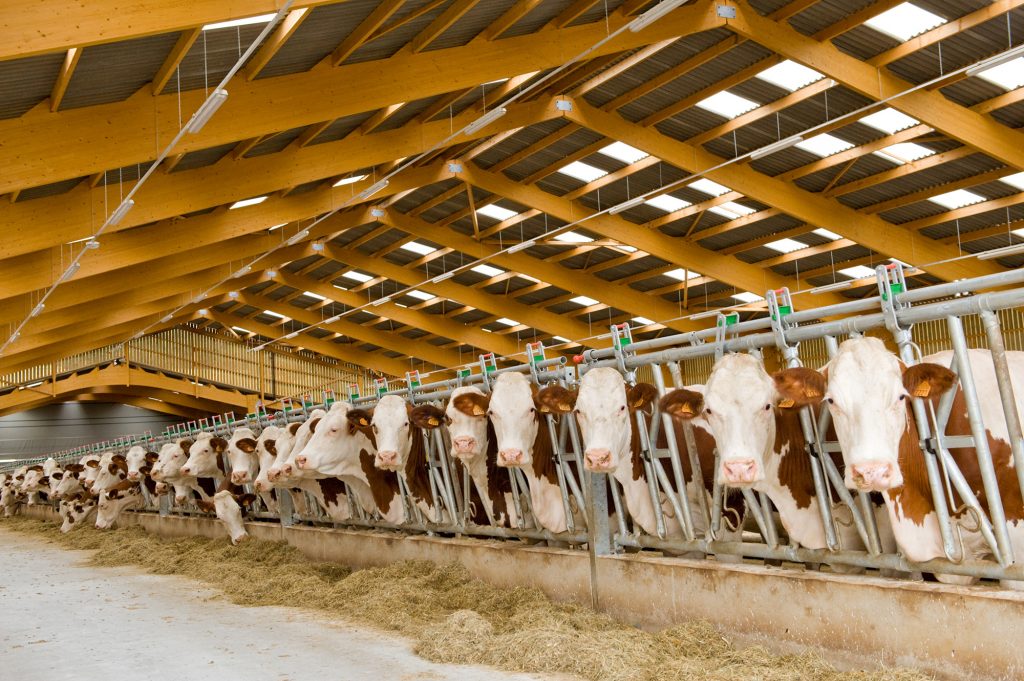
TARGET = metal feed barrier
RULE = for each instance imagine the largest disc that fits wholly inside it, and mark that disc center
(585, 495)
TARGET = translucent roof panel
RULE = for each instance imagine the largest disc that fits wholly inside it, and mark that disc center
(572, 238)
(667, 203)
(623, 152)
(273, 314)
(584, 300)
(487, 270)
(731, 209)
(248, 202)
(905, 21)
(356, 276)
(1008, 76)
(790, 75)
(889, 121)
(858, 271)
(786, 245)
(821, 231)
(418, 248)
(824, 145)
(259, 19)
(582, 171)
(351, 179)
(497, 212)
(709, 187)
(643, 320)
(747, 297)
(683, 275)
(420, 295)
(958, 198)
(905, 152)
(317, 296)
(507, 322)
(1015, 180)
(727, 104)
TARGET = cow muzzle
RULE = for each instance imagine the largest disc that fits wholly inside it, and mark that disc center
(740, 472)
(387, 460)
(301, 462)
(133, 475)
(464, 446)
(875, 476)
(185, 470)
(510, 457)
(598, 460)
(241, 477)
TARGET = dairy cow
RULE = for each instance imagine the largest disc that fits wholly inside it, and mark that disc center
(76, 510)
(866, 388)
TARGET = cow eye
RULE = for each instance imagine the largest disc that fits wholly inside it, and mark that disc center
(707, 411)
(533, 410)
(903, 397)
(622, 407)
(830, 400)
(768, 407)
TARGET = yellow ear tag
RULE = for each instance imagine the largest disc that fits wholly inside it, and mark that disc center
(364, 422)
(923, 389)
(433, 421)
(564, 406)
(786, 403)
(811, 393)
(478, 410)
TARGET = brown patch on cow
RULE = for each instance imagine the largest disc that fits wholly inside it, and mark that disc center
(682, 403)
(555, 399)
(186, 445)
(36, 467)
(56, 475)
(544, 463)
(927, 380)
(93, 463)
(208, 485)
(641, 396)
(206, 505)
(427, 416)
(218, 444)
(294, 428)
(244, 500)
(383, 484)
(247, 445)
(359, 418)
(332, 489)
(118, 463)
(795, 472)
(313, 424)
(416, 472)
(74, 468)
(799, 386)
(270, 446)
(152, 457)
(472, 404)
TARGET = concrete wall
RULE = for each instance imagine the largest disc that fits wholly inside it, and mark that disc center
(69, 424)
(954, 632)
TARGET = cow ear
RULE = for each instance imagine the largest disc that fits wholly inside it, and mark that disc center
(245, 499)
(799, 386)
(45, 480)
(56, 475)
(359, 418)
(118, 458)
(186, 445)
(927, 380)
(152, 457)
(112, 468)
(555, 399)
(313, 424)
(145, 470)
(219, 444)
(641, 395)
(247, 445)
(427, 416)
(293, 428)
(472, 404)
(270, 446)
(92, 463)
(74, 468)
(682, 403)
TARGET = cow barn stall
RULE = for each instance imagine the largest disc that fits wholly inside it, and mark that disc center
(677, 309)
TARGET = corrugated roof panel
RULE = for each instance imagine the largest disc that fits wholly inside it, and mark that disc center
(319, 35)
(48, 189)
(112, 72)
(1011, 116)
(26, 82)
(470, 25)
(203, 157)
(553, 155)
(536, 18)
(275, 143)
(391, 42)
(341, 127)
(209, 59)
(825, 13)
(405, 115)
(519, 141)
(597, 12)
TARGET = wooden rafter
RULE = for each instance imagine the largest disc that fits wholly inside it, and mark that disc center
(173, 60)
(275, 41)
(67, 70)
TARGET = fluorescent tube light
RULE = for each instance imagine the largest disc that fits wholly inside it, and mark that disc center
(442, 277)
(372, 189)
(704, 315)
(37, 309)
(205, 112)
(1001, 252)
(522, 245)
(381, 301)
(626, 205)
(485, 120)
(838, 286)
(293, 334)
(242, 272)
(776, 146)
(69, 272)
(166, 319)
(331, 320)
(995, 61)
(120, 212)
(655, 13)
(298, 237)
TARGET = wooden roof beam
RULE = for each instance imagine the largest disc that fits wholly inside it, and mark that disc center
(275, 41)
(67, 70)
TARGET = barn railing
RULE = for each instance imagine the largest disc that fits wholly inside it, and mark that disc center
(953, 316)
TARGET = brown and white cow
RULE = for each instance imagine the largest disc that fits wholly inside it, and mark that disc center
(474, 444)
(167, 471)
(867, 388)
(755, 418)
(76, 509)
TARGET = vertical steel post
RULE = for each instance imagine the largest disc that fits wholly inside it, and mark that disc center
(997, 347)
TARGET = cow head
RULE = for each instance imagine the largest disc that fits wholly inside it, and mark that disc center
(392, 429)
(70, 482)
(283, 448)
(112, 469)
(515, 415)
(171, 458)
(334, 446)
(266, 453)
(137, 458)
(242, 454)
(288, 470)
(204, 458)
(466, 418)
(604, 408)
(867, 396)
(114, 501)
(228, 508)
(75, 510)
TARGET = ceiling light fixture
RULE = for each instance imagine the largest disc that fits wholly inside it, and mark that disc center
(1001, 252)
(626, 205)
(655, 13)
(775, 146)
(998, 60)
(120, 212)
(485, 120)
(372, 189)
(205, 112)
(838, 286)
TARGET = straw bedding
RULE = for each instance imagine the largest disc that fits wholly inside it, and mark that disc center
(452, 617)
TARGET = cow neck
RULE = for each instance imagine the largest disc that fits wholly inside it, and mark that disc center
(490, 481)
(383, 484)
(417, 474)
(543, 455)
(332, 489)
(794, 465)
(635, 451)
(208, 485)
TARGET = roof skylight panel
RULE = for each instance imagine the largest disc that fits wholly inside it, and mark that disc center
(786, 245)
(351, 179)
(683, 275)
(418, 248)
(357, 276)
(248, 21)
(858, 271)
(889, 121)
(273, 314)
(316, 296)
(905, 152)
(709, 187)
(497, 212)
(247, 202)
(582, 171)
(487, 270)
(643, 320)
(584, 300)
(828, 234)
(1015, 180)
(958, 198)
(731, 209)
(727, 104)
(790, 75)
(905, 21)
(1008, 76)
(420, 295)
(667, 203)
(507, 322)
(824, 145)
(621, 151)
(572, 238)
(747, 297)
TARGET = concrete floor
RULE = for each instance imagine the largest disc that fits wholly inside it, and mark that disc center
(60, 619)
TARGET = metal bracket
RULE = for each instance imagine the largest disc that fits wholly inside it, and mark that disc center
(563, 104)
(725, 11)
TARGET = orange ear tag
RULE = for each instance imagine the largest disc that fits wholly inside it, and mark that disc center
(923, 389)
(786, 403)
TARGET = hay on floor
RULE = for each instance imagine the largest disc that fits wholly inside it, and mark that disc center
(451, 616)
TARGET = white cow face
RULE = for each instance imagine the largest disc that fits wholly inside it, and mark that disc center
(112, 470)
(230, 513)
(266, 451)
(204, 457)
(284, 449)
(867, 397)
(75, 510)
(69, 483)
(392, 429)
(336, 442)
(290, 470)
(604, 408)
(514, 415)
(466, 420)
(113, 502)
(242, 456)
(171, 458)
(137, 458)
